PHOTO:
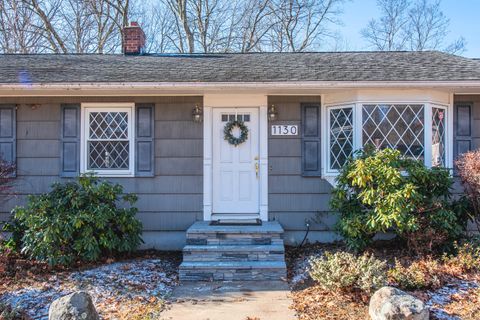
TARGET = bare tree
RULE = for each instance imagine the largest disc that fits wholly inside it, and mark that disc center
(18, 29)
(251, 22)
(47, 12)
(416, 25)
(158, 23)
(80, 26)
(183, 25)
(303, 24)
(388, 32)
(428, 26)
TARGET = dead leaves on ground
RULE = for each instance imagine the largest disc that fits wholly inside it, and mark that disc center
(467, 306)
(314, 303)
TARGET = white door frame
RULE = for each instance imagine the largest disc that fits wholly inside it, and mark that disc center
(234, 101)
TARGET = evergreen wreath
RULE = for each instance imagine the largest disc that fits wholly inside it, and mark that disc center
(227, 130)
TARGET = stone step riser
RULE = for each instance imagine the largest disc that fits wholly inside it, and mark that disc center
(234, 241)
(222, 235)
(231, 275)
(221, 256)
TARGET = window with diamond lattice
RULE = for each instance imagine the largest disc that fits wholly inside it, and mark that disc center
(108, 143)
(438, 136)
(397, 126)
(340, 136)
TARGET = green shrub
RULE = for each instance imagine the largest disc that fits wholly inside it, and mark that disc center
(345, 271)
(380, 191)
(77, 221)
(422, 274)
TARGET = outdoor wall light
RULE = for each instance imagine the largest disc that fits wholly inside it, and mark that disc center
(272, 113)
(197, 114)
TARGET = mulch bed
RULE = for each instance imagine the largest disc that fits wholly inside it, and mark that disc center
(128, 287)
(457, 297)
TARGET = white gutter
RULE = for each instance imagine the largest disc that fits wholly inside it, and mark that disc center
(241, 85)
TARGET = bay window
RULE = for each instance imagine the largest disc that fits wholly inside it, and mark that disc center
(417, 130)
(340, 133)
(396, 126)
(438, 136)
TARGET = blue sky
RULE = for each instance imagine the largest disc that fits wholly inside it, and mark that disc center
(464, 18)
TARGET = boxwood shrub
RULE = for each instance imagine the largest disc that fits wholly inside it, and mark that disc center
(81, 220)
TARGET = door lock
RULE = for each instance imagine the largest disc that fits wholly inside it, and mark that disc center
(257, 167)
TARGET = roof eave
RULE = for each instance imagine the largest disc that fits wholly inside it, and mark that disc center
(199, 87)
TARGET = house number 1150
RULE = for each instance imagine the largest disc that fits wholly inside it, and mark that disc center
(284, 130)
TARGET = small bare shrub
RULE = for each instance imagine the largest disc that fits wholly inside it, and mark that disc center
(468, 165)
(466, 259)
(9, 313)
(422, 274)
(345, 271)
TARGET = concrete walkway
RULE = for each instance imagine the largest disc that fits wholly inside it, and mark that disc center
(250, 300)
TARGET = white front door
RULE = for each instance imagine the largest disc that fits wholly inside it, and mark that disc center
(235, 168)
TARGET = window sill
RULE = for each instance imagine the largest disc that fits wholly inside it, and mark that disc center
(104, 174)
(331, 179)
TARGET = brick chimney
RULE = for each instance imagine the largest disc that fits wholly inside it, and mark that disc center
(133, 39)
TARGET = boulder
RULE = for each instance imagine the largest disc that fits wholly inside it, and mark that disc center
(390, 303)
(75, 306)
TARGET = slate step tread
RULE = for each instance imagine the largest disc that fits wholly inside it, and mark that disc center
(204, 227)
(233, 265)
(234, 248)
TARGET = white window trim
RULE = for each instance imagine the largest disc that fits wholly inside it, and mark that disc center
(330, 174)
(330, 171)
(447, 142)
(99, 107)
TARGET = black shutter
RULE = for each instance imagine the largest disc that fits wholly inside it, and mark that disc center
(463, 129)
(144, 142)
(70, 141)
(311, 165)
(8, 133)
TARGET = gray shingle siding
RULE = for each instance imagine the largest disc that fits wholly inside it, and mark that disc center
(171, 200)
(254, 67)
(294, 199)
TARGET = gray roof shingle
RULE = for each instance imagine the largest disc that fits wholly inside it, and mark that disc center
(253, 67)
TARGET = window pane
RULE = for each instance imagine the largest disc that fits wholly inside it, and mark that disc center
(108, 125)
(246, 117)
(396, 126)
(224, 117)
(341, 136)
(108, 155)
(438, 137)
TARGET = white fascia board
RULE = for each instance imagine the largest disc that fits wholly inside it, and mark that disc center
(202, 88)
(243, 85)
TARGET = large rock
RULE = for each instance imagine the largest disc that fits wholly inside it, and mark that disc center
(75, 306)
(389, 303)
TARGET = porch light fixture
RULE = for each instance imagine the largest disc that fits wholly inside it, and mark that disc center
(197, 114)
(272, 113)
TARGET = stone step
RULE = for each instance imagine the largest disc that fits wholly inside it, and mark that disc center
(202, 233)
(234, 253)
(229, 239)
(267, 227)
(232, 271)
